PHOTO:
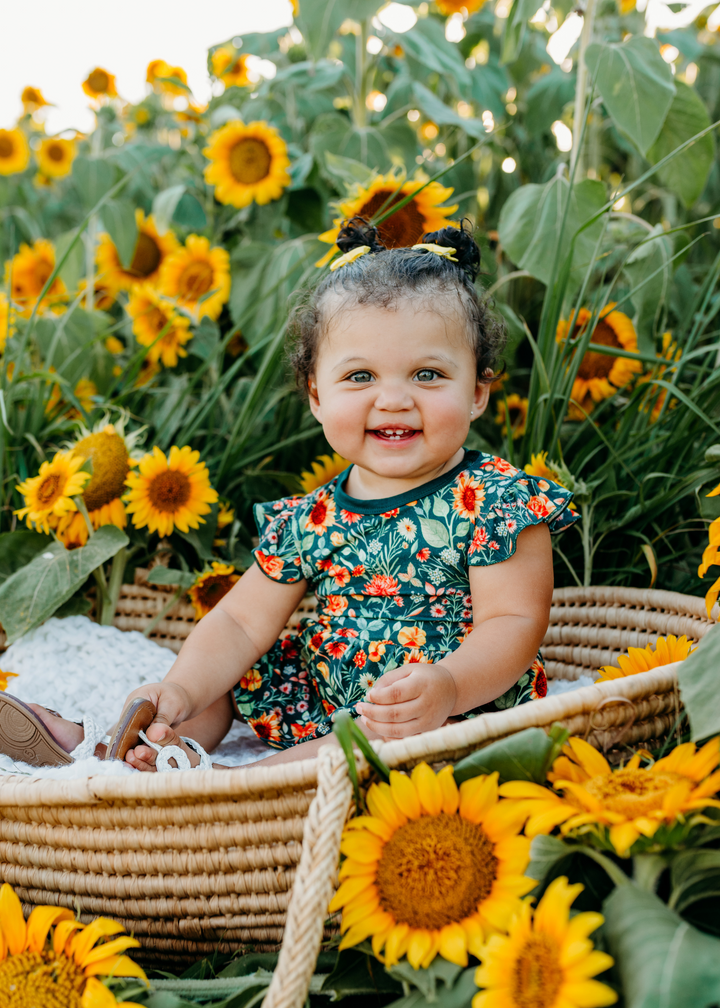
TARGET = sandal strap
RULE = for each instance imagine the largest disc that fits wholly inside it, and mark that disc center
(93, 734)
(168, 752)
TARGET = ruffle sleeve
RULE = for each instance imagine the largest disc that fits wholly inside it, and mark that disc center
(277, 554)
(526, 501)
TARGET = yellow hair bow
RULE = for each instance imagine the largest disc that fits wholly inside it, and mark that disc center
(349, 257)
(441, 250)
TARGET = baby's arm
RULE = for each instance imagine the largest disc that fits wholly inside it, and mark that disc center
(227, 642)
(511, 608)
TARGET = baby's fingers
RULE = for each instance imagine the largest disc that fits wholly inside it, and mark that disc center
(142, 757)
(385, 714)
(409, 687)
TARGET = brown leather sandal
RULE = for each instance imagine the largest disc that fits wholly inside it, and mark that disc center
(24, 737)
(137, 716)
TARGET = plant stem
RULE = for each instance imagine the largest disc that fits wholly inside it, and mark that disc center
(647, 869)
(576, 160)
(117, 572)
(359, 107)
(585, 532)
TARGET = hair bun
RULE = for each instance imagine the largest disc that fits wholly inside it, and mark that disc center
(467, 252)
(356, 232)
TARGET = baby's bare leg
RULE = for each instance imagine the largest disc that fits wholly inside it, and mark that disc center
(208, 728)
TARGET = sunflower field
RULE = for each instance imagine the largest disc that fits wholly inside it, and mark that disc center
(151, 267)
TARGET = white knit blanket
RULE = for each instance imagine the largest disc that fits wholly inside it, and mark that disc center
(81, 669)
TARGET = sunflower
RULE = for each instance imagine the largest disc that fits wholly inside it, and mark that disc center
(665, 651)
(4, 676)
(164, 78)
(84, 392)
(538, 466)
(49, 495)
(406, 226)
(226, 515)
(447, 7)
(247, 162)
(619, 806)
(108, 449)
(600, 375)
(99, 84)
(104, 297)
(148, 256)
(28, 272)
(198, 276)
(433, 868)
(55, 157)
(6, 321)
(152, 315)
(230, 67)
(32, 100)
(210, 587)
(517, 410)
(55, 961)
(711, 556)
(547, 959)
(324, 468)
(169, 492)
(14, 151)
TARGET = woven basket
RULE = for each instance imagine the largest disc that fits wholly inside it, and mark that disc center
(197, 861)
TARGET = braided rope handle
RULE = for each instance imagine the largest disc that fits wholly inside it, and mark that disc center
(314, 882)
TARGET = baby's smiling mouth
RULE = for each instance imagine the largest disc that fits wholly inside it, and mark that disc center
(392, 432)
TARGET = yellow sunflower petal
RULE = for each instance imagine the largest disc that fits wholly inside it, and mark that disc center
(381, 805)
(349, 889)
(396, 943)
(63, 931)
(111, 948)
(362, 847)
(101, 927)
(623, 836)
(418, 947)
(428, 789)
(361, 931)
(39, 923)
(453, 944)
(449, 790)
(405, 794)
(589, 758)
(115, 966)
(12, 921)
(477, 796)
(590, 994)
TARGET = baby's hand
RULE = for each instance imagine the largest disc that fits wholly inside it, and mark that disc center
(172, 706)
(411, 699)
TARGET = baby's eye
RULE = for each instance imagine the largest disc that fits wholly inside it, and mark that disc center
(427, 375)
(360, 377)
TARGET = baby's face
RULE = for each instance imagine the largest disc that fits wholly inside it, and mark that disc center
(394, 389)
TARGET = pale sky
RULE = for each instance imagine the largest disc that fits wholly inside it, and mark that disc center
(52, 45)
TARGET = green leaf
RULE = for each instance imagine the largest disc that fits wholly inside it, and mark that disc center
(523, 756)
(189, 213)
(460, 995)
(76, 605)
(32, 594)
(687, 173)
(18, 548)
(649, 291)
(697, 679)
(201, 539)
(442, 114)
(119, 219)
(346, 170)
(434, 532)
(514, 32)
(358, 973)
(635, 84)
(73, 269)
(169, 576)
(427, 980)
(427, 49)
(92, 177)
(662, 961)
(206, 339)
(547, 98)
(694, 875)
(531, 224)
(319, 20)
(164, 206)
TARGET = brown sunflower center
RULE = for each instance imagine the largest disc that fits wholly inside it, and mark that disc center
(54, 152)
(196, 279)
(7, 147)
(169, 491)
(597, 365)
(435, 871)
(156, 320)
(633, 793)
(146, 257)
(538, 976)
(250, 161)
(40, 978)
(99, 81)
(405, 227)
(211, 591)
(49, 490)
(110, 468)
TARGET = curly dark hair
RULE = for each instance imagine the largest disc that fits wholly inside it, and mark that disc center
(390, 275)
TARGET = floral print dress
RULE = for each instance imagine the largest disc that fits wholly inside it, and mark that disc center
(392, 584)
